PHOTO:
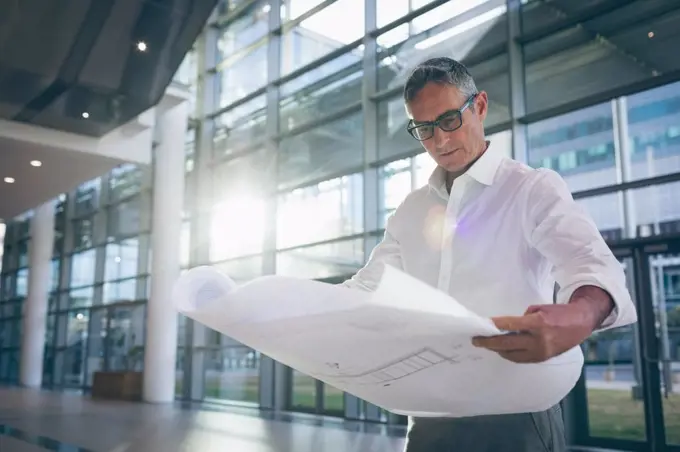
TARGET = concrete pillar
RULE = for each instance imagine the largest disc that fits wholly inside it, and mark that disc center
(160, 352)
(35, 306)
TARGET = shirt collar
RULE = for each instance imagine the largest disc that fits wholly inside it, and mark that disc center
(483, 171)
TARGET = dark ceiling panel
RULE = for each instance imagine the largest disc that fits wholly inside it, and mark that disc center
(60, 59)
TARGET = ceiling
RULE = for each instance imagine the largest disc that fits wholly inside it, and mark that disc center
(59, 59)
(61, 171)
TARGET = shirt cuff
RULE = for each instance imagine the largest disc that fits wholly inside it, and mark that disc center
(623, 312)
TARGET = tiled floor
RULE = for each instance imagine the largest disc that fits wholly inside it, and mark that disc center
(32, 421)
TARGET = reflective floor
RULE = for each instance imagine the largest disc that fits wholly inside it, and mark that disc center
(38, 420)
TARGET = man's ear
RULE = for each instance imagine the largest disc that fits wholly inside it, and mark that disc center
(481, 105)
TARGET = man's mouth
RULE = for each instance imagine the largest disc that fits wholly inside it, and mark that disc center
(444, 154)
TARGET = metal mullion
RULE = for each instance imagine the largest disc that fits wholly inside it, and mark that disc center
(636, 184)
(345, 238)
(247, 98)
(489, 54)
(239, 54)
(225, 20)
(374, 32)
(322, 83)
(289, 25)
(517, 82)
(600, 97)
(309, 183)
(252, 148)
(651, 377)
(587, 14)
(307, 126)
(318, 62)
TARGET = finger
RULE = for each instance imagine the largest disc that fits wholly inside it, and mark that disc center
(527, 322)
(519, 356)
(506, 342)
(534, 308)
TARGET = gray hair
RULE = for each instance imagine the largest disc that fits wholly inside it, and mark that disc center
(439, 70)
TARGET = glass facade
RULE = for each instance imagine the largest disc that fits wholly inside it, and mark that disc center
(298, 155)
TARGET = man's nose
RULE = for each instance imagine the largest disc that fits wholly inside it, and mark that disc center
(440, 137)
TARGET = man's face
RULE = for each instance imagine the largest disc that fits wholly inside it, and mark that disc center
(454, 151)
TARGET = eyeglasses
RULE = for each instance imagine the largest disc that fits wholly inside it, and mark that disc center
(448, 122)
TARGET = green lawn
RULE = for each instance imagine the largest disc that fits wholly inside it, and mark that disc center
(612, 413)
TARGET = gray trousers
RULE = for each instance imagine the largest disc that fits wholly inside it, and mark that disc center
(530, 432)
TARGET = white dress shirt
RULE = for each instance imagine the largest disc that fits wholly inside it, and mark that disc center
(499, 241)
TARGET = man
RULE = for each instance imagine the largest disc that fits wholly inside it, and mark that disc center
(496, 235)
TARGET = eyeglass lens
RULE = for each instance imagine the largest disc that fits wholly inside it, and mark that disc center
(447, 123)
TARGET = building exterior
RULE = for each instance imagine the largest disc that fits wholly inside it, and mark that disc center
(296, 153)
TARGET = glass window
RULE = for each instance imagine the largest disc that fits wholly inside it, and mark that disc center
(337, 207)
(396, 183)
(248, 173)
(6, 287)
(558, 64)
(22, 249)
(393, 139)
(322, 91)
(55, 266)
(125, 219)
(247, 29)
(238, 216)
(82, 268)
(121, 259)
(87, 197)
(578, 145)
(460, 30)
(237, 226)
(243, 75)
(242, 269)
(319, 34)
(120, 291)
(83, 232)
(190, 150)
(125, 181)
(240, 128)
(80, 298)
(23, 225)
(188, 70)
(22, 283)
(232, 373)
(342, 258)
(323, 151)
(654, 131)
(185, 244)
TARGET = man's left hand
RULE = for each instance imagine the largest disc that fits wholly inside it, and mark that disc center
(543, 332)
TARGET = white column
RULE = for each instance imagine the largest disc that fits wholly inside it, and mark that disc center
(35, 306)
(160, 351)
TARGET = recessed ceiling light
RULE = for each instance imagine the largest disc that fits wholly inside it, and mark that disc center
(9, 180)
(141, 46)
(86, 115)
(266, 8)
(650, 35)
(36, 163)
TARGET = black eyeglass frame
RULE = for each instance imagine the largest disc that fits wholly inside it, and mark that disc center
(437, 122)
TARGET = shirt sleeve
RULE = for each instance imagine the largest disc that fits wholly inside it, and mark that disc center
(387, 252)
(560, 230)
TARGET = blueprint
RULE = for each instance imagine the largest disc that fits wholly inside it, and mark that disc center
(405, 347)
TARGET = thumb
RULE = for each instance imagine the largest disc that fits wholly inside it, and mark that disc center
(534, 308)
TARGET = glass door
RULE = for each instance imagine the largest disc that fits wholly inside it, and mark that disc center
(629, 396)
(308, 394)
(125, 338)
(664, 278)
(613, 379)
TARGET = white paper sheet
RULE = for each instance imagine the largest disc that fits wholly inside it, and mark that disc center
(405, 347)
